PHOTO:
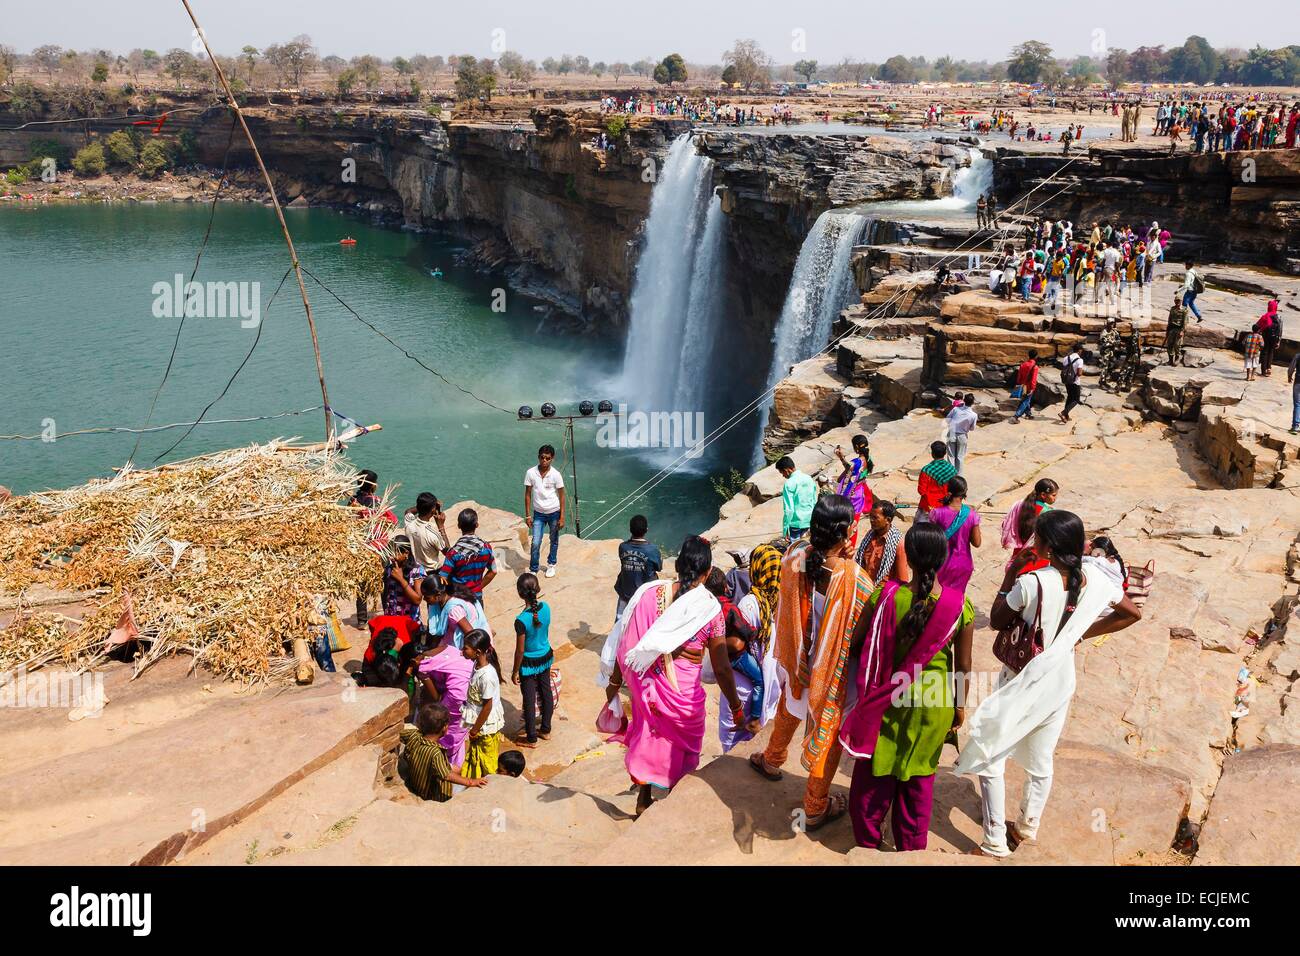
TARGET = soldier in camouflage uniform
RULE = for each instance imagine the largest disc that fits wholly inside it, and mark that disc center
(1177, 323)
(1132, 358)
(1110, 355)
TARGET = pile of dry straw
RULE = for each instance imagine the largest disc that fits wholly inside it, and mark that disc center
(220, 556)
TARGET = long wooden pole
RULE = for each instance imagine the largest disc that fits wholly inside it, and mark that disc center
(275, 201)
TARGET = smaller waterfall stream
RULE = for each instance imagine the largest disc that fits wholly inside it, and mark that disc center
(821, 286)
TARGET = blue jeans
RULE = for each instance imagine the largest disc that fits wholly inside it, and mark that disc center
(1295, 412)
(540, 521)
(1025, 402)
(745, 664)
(1025, 282)
(1189, 302)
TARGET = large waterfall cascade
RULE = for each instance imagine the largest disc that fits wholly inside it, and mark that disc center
(676, 306)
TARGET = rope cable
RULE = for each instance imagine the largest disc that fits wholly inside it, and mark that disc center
(256, 339)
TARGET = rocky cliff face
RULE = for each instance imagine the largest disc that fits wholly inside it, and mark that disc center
(530, 194)
(773, 188)
(1228, 207)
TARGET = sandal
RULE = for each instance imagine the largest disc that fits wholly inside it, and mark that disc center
(1015, 839)
(760, 767)
(836, 808)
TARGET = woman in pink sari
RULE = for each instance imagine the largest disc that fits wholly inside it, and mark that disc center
(657, 649)
(443, 675)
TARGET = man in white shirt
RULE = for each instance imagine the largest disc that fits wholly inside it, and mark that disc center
(544, 507)
(1192, 284)
(426, 526)
(961, 421)
(1071, 370)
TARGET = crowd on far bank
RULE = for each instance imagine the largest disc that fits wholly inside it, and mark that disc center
(1108, 271)
(1217, 125)
(705, 109)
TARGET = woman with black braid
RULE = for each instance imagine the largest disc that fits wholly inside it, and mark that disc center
(823, 592)
(910, 639)
(1025, 714)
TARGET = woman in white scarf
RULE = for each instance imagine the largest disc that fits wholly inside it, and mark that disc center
(1024, 716)
(657, 650)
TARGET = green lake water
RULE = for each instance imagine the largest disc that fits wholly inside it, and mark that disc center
(84, 349)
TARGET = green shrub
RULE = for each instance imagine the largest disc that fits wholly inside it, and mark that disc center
(154, 158)
(16, 176)
(616, 124)
(119, 150)
(728, 484)
(187, 146)
(41, 148)
(90, 161)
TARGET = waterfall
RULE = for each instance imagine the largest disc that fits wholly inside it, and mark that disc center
(973, 181)
(676, 306)
(822, 285)
(703, 315)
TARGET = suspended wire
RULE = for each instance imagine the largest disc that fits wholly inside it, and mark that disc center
(212, 215)
(879, 313)
(103, 119)
(114, 429)
(261, 325)
(418, 361)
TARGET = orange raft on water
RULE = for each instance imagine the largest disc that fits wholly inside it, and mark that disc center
(349, 241)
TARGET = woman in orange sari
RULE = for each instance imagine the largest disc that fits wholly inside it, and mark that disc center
(823, 593)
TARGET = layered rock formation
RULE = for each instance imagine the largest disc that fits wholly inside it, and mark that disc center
(1225, 207)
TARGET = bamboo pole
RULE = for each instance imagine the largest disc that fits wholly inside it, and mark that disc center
(275, 200)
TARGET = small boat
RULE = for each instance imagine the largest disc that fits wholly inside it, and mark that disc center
(349, 241)
(436, 273)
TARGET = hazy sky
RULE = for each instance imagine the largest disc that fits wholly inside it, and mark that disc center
(627, 30)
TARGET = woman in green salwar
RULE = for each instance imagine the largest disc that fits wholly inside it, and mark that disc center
(914, 668)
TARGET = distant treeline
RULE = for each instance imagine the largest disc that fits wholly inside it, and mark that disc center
(297, 63)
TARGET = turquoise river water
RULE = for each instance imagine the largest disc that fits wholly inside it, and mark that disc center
(85, 349)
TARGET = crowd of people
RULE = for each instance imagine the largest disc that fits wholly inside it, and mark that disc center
(705, 109)
(1108, 271)
(848, 634)
(845, 633)
(1232, 126)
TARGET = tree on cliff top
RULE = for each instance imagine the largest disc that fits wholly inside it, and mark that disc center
(1147, 63)
(248, 56)
(1117, 67)
(475, 78)
(48, 58)
(671, 69)
(1029, 62)
(367, 70)
(292, 60)
(806, 69)
(898, 69)
(513, 65)
(180, 65)
(753, 66)
(1193, 62)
